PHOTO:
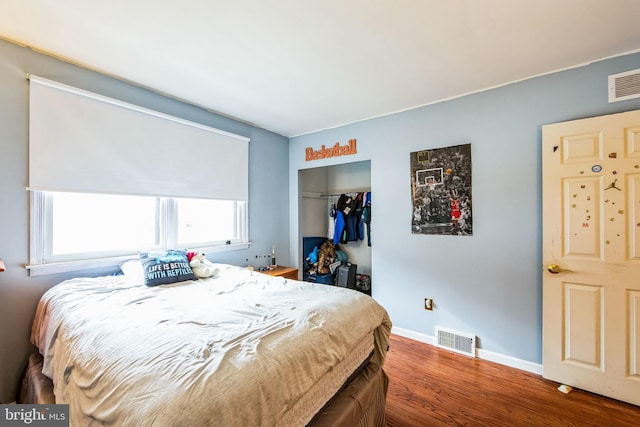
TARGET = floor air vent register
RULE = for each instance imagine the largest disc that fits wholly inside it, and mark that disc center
(456, 341)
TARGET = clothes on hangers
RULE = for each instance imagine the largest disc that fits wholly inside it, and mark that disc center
(348, 216)
(365, 219)
(333, 212)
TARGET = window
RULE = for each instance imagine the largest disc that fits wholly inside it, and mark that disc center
(73, 231)
(212, 221)
(96, 223)
(186, 184)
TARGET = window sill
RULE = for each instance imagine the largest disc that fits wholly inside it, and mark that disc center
(111, 262)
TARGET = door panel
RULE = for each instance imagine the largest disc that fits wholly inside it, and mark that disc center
(633, 225)
(583, 326)
(591, 231)
(634, 327)
(581, 205)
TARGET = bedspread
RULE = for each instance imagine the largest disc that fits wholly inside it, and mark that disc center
(241, 348)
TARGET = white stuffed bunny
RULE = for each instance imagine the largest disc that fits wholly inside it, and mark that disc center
(202, 267)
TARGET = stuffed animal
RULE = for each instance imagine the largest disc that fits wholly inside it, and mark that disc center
(201, 266)
(326, 256)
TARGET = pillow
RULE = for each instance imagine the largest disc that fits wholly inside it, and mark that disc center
(170, 266)
(133, 271)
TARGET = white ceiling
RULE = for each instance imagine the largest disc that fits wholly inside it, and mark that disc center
(296, 66)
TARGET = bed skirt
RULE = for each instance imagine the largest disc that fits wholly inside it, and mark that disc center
(36, 388)
(360, 403)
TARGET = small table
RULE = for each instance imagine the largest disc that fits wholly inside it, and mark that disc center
(282, 271)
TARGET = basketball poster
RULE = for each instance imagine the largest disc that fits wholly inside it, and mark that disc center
(441, 191)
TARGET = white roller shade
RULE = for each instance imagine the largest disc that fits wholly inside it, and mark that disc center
(84, 142)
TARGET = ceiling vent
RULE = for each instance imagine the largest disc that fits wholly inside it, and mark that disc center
(624, 86)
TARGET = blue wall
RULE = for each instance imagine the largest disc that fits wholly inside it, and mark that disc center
(19, 293)
(489, 284)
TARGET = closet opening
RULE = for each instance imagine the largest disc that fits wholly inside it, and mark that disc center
(336, 206)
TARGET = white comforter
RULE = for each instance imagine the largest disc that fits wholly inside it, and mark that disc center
(239, 349)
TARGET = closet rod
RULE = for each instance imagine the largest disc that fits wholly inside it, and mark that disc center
(316, 195)
(346, 191)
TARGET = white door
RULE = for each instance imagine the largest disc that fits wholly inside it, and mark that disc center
(591, 251)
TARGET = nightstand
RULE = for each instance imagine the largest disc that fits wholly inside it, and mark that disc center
(282, 271)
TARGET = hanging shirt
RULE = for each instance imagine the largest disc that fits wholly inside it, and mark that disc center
(350, 204)
(332, 219)
(366, 216)
(339, 228)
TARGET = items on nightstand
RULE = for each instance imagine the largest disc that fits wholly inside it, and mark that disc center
(281, 271)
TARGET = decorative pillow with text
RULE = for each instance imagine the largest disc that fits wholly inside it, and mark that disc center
(165, 267)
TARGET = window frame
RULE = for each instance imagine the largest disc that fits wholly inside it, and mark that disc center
(42, 262)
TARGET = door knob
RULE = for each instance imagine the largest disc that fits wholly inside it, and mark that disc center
(555, 269)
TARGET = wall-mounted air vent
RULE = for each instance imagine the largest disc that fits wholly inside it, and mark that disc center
(624, 86)
(456, 341)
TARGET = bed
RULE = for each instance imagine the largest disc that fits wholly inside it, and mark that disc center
(239, 348)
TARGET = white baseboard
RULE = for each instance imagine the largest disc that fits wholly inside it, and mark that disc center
(534, 368)
(407, 333)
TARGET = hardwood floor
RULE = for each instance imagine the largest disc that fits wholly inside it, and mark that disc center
(429, 386)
